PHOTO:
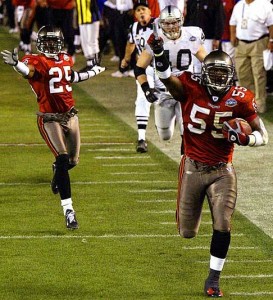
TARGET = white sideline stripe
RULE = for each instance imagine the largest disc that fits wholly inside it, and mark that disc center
(122, 157)
(251, 294)
(130, 165)
(85, 182)
(248, 276)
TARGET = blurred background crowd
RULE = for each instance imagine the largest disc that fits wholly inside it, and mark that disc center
(94, 28)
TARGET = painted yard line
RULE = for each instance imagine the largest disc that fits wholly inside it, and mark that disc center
(21, 145)
(133, 173)
(84, 182)
(90, 120)
(105, 236)
(171, 211)
(111, 236)
(109, 143)
(161, 211)
(111, 150)
(96, 124)
(37, 144)
(254, 294)
(99, 130)
(121, 181)
(247, 276)
(123, 157)
(231, 261)
(202, 223)
(208, 247)
(101, 137)
(153, 191)
(155, 201)
(130, 165)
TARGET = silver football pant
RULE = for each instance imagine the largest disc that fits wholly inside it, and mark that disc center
(167, 114)
(62, 139)
(197, 180)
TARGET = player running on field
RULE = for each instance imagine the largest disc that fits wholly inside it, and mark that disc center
(50, 75)
(180, 44)
(206, 168)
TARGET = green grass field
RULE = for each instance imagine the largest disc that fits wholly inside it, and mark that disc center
(127, 246)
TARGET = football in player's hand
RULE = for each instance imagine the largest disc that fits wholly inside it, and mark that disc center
(233, 123)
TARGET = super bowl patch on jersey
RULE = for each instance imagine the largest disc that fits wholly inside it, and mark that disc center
(231, 102)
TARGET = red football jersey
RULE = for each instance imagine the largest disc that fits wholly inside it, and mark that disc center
(61, 4)
(203, 119)
(51, 82)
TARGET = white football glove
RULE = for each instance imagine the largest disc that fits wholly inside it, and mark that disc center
(10, 58)
(95, 71)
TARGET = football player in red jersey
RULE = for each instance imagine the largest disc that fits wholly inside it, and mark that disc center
(50, 75)
(206, 168)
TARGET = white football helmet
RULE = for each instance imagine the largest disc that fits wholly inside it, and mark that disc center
(217, 72)
(171, 21)
(50, 41)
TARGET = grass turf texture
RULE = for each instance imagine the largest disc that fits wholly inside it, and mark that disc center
(127, 245)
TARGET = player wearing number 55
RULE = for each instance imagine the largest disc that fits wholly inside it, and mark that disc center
(206, 168)
(50, 75)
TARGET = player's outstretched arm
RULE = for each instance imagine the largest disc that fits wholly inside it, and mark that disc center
(162, 65)
(82, 76)
(11, 58)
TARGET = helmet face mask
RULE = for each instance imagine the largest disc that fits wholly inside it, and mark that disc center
(50, 41)
(171, 21)
(217, 73)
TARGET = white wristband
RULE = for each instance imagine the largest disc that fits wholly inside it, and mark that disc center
(165, 74)
(21, 68)
(255, 139)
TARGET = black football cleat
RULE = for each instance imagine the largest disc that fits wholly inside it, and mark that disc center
(53, 184)
(70, 219)
(212, 289)
(141, 146)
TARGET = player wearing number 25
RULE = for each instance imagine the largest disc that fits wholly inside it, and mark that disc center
(206, 167)
(50, 75)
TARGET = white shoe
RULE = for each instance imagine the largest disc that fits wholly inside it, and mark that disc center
(131, 73)
(14, 30)
(114, 59)
(118, 74)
